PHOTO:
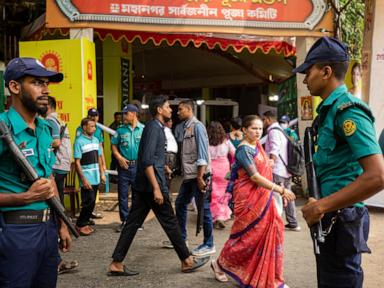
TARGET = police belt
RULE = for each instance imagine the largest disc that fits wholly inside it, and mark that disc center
(131, 162)
(26, 216)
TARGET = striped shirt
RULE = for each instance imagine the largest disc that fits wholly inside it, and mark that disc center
(88, 150)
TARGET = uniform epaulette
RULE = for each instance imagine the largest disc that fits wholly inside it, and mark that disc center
(344, 106)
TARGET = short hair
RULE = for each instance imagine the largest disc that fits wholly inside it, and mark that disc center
(187, 102)
(270, 114)
(216, 133)
(116, 114)
(247, 120)
(85, 121)
(339, 68)
(52, 102)
(157, 102)
(236, 123)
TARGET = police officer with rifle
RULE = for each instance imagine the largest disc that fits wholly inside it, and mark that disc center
(348, 163)
(28, 230)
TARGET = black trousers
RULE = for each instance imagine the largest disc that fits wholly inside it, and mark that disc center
(88, 199)
(142, 204)
(59, 179)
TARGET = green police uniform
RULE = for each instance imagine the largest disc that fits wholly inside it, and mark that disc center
(127, 140)
(346, 134)
(36, 146)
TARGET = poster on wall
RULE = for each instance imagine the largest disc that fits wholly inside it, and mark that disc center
(306, 108)
(74, 58)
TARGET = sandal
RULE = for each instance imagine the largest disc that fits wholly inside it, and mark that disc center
(123, 273)
(219, 274)
(66, 266)
(197, 263)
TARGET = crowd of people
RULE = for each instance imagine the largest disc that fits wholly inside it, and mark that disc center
(227, 175)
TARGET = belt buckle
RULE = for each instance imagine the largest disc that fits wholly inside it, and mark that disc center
(46, 213)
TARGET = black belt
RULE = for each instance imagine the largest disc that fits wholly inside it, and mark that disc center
(26, 216)
(131, 162)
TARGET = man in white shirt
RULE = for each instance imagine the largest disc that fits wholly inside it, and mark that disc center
(276, 148)
(171, 151)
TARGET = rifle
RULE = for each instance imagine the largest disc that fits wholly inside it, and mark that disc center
(313, 186)
(200, 201)
(54, 203)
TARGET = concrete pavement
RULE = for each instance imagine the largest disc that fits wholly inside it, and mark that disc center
(160, 267)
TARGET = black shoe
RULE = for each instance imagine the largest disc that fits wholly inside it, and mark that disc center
(96, 215)
(292, 228)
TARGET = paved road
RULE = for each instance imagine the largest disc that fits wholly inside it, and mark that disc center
(160, 268)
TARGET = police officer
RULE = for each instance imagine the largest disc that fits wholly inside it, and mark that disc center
(28, 233)
(348, 162)
(125, 148)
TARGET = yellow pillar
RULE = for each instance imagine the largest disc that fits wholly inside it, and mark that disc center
(113, 52)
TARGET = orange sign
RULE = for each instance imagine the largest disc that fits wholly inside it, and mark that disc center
(294, 14)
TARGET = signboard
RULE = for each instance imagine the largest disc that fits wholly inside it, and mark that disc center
(76, 60)
(124, 81)
(286, 14)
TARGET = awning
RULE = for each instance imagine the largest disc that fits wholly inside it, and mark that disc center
(281, 45)
(238, 42)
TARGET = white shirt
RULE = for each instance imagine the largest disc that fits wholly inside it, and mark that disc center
(171, 141)
(277, 144)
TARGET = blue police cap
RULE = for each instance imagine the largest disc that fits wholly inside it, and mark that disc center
(130, 108)
(285, 119)
(20, 67)
(325, 50)
(93, 112)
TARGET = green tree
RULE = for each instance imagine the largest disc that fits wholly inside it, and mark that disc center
(349, 23)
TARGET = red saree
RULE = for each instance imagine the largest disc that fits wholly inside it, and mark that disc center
(253, 254)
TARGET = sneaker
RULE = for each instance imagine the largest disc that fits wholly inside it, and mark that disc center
(167, 244)
(203, 250)
(292, 228)
(120, 227)
(96, 215)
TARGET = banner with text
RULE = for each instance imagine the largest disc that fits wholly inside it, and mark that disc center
(285, 14)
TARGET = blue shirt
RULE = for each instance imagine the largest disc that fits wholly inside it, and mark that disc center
(151, 153)
(36, 145)
(88, 150)
(55, 128)
(127, 140)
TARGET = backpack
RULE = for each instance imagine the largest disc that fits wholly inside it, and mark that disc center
(64, 151)
(295, 164)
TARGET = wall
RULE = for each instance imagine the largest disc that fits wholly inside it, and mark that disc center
(112, 54)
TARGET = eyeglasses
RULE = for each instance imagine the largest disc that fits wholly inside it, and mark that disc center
(40, 83)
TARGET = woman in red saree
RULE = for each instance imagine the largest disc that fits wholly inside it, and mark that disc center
(253, 254)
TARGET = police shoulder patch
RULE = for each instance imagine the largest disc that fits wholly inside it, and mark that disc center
(349, 127)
